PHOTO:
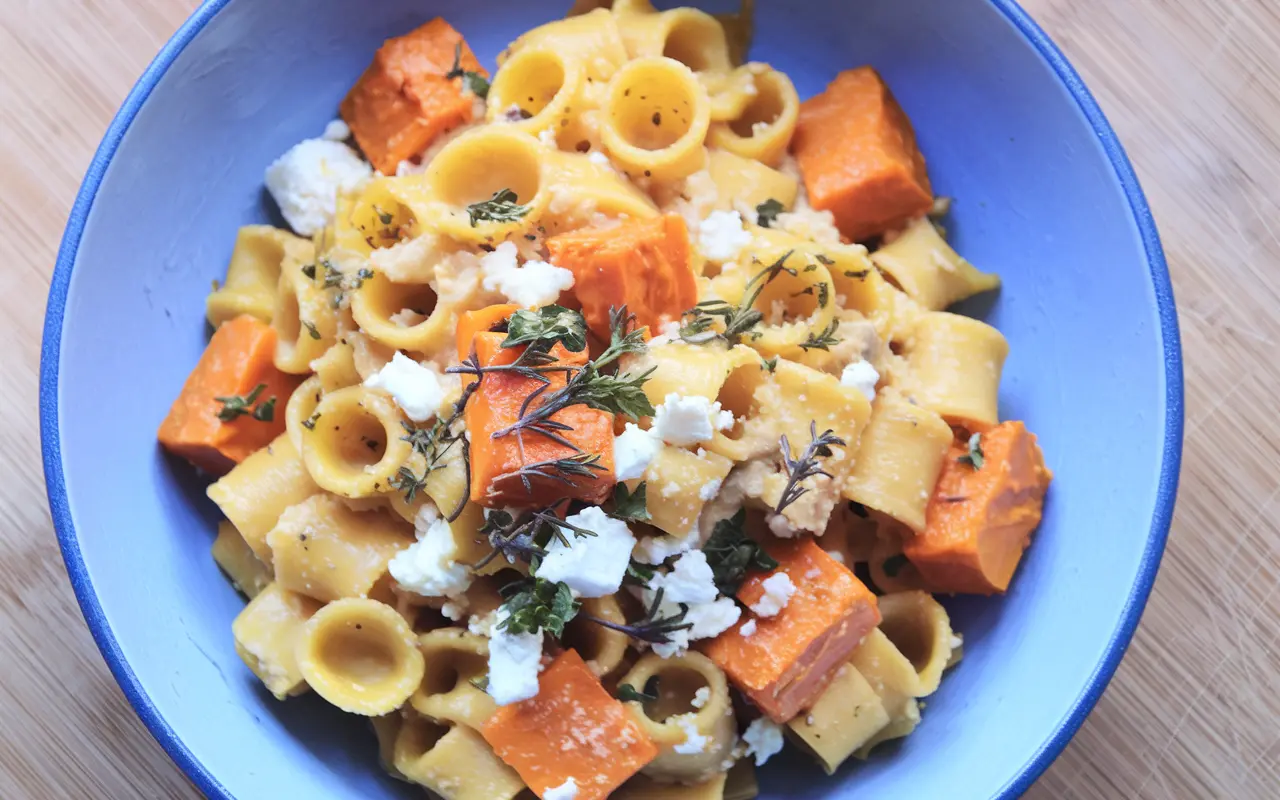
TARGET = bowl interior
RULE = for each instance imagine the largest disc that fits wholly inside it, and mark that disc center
(1038, 200)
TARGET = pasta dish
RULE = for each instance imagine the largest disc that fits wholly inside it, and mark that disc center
(597, 426)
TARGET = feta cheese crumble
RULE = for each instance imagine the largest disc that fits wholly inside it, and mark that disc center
(701, 697)
(764, 739)
(708, 620)
(429, 567)
(633, 449)
(533, 285)
(565, 791)
(596, 157)
(748, 628)
(336, 131)
(694, 742)
(710, 489)
(306, 180)
(721, 236)
(415, 388)
(515, 659)
(689, 581)
(656, 549)
(862, 376)
(592, 566)
(685, 421)
(778, 590)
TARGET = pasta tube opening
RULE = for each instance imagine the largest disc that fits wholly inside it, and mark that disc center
(534, 89)
(356, 443)
(470, 172)
(763, 130)
(656, 117)
(696, 39)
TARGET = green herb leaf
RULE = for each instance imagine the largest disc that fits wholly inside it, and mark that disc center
(476, 83)
(630, 506)
(806, 466)
(405, 481)
(310, 271)
(537, 604)
(502, 207)
(618, 394)
(640, 573)
(767, 213)
(823, 340)
(236, 405)
(312, 331)
(628, 694)
(266, 411)
(731, 554)
(546, 326)
(332, 275)
(974, 457)
(362, 275)
(310, 422)
(770, 364)
(481, 682)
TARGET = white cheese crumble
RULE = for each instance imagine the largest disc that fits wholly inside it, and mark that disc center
(515, 659)
(415, 388)
(764, 739)
(694, 742)
(748, 628)
(709, 489)
(701, 697)
(708, 620)
(533, 285)
(336, 131)
(482, 625)
(547, 136)
(429, 567)
(596, 157)
(565, 791)
(721, 236)
(689, 581)
(685, 421)
(862, 376)
(656, 549)
(669, 332)
(633, 449)
(781, 527)
(778, 590)
(455, 610)
(592, 566)
(306, 180)
(836, 556)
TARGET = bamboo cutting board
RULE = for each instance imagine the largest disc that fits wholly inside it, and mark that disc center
(1193, 89)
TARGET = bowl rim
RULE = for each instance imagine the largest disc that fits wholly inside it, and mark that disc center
(178, 751)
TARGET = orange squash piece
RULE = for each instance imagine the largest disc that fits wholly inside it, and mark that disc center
(980, 520)
(238, 358)
(643, 264)
(786, 663)
(858, 156)
(573, 728)
(494, 461)
(481, 320)
(403, 100)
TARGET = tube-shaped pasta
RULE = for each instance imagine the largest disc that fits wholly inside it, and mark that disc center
(953, 368)
(471, 170)
(899, 460)
(680, 484)
(894, 679)
(746, 183)
(692, 37)
(247, 573)
(730, 92)
(336, 369)
(843, 719)
(302, 404)
(655, 119)
(603, 649)
(455, 763)
(256, 492)
(592, 39)
(266, 633)
(386, 729)
(764, 128)
(928, 270)
(920, 628)
(404, 316)
(304, 319)
(890, 570)
(260, 253)
(582, 189)
(361, 656)
(799, 309)
(642, 787)
(454, 658)
(357, 443)
(540, 88)
(688, 369)
(684, 717)
(323, 549)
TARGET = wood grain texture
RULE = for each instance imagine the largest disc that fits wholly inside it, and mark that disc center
(1191, 87)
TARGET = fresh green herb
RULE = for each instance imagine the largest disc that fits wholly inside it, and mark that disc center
(774, 270)
(825, 260)
(857, 275)
(385, 217)
(630, 506)
(653, 628)
(362, 275)
(481, 682)
(534, 604)
(502, 207)
(770, 364)
(731, 554)
(332, 275)
(546, 326)
(310, 271)
(562, 470)
(807, 465)
(310, 422)
(639, 573)
(476, 83)
(767, 213)
(557, 525)
(737, 320)
(235, 406)
(974, 457)
(894, 564)
(824, 294)
(405, 481)
(697, 330)
(311, 329)
(823, 340)
(628, 693)
(511, 537)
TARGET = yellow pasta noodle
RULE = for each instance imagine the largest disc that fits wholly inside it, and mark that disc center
(688, 35)
(256, 492)
(336, 369)
(454, 763)
(247, 573)
(357, 443)
(928, 270)
(763, 130)
(583, 192)
(538, 89)
(894, 679)
(954, 365)
(361, 656)
(454, 658)
(387, 728)
(745, 183)
(680, 483)
(403, 316)
(603, 649)
(305, 321)
(920, 628)
(844, 718)
(261, 252)
(689, 370)
(302, 404)
(266, 633)
(655, 119)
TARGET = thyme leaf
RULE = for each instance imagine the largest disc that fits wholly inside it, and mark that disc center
(731, 554)
(630, 506)
(545, 327)
(476, 83)
(502, 207)
(767, 213)
(535, 604)
(823, 340)
(807, 465)
(974, 457)
(235, 406)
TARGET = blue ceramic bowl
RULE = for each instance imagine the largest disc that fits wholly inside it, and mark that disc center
(1045, 198)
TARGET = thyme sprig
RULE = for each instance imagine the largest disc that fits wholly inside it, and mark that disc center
(476, 83)
(654, 627)
(823, 340)
(235, 406)
(504, 206)
(738, 319)
(433, 444)
(561, 470)
(974, 457)
(511, 536)
(807, 465)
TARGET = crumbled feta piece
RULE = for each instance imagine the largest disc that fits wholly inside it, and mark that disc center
(565, 791)
(764, 739)
(547, 136)
(748, 628)
(701, 697)
(778, 590)
(862, 376)
(656, 549)
(668, 333)
(592, 566)
(685, 421)
(455, 609)
(429, 566)
(721, 236)
(633, 449)
(708, 620)
(836, 556)
(694, 742)
(781, 526)
(689, 581)
(709, 489)
(482, 625)
(515, 659)
(306, 180)
(415, 388)
(596, 157)
(336, 131)
(533, 285)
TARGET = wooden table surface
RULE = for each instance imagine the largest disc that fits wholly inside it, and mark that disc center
(1192, 89)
